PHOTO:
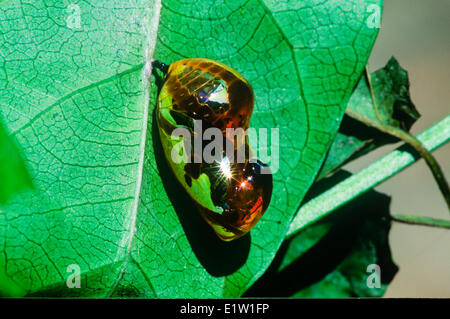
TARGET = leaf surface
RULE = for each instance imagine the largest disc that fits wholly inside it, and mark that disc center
(77, 100)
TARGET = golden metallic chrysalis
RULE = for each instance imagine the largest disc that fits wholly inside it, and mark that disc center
(230, 194)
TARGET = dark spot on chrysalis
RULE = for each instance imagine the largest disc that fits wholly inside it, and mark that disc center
(188, 180)
(193, 170)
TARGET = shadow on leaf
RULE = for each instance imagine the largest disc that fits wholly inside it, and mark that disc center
(330, 257)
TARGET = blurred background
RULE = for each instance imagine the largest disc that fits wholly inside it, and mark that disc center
(416, 32)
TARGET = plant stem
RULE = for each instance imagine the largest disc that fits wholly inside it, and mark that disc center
(416, 144)
(372, 93)
(419, 220)
(372, 175)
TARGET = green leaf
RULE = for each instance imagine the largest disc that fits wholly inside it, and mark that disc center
(330, 259)
(105, 199)
(354, 139)
(14, 176)
(391, 91)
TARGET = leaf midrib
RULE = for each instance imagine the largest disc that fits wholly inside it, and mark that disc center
(150, 45)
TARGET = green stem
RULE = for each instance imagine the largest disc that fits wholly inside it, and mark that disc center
(372, 93)
(372, 175)
(422, 221)
(416, 144)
